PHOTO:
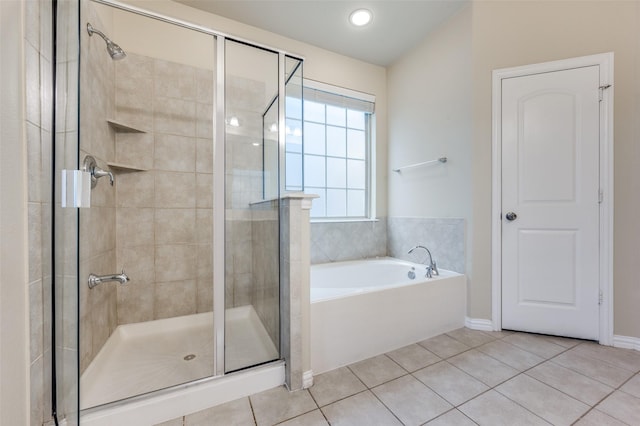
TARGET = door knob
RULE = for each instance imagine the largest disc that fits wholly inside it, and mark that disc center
(511, 216)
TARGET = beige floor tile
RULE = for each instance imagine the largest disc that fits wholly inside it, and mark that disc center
(593, 368)
(471, 338)
(174, 422)
(494, 409)
(361, 409)
(510, 355)
(234, 413)
(413, 357)
(488, 370)
(566, 342)
(598, 418)
(628, 359)
(622, 406)
(334, 385)
(632, 387)
(535, 344)
(411, 401)
(452, 418)
(568, 381)
(499, 334)
(451, 383)
(543, 400)
(314, 418)
(444, 346)
(377, 370)
(277, 405)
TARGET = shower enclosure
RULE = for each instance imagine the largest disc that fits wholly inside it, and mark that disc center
(180, 134)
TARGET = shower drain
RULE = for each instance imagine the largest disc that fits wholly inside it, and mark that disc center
(189, 357)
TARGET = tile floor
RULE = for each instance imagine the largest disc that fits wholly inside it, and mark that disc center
(464, 377)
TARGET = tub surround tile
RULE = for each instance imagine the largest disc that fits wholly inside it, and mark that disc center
(340, 241)
(413, 357)
(548, 403)
(444, 346)
(451, 383)
(277, 405)
(335, 385)
(377, 370)
(411, 401)
(361, 409)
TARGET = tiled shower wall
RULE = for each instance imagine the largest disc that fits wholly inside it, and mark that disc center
(164, 214)
(97, 248)
(394, 236)
(38, 128)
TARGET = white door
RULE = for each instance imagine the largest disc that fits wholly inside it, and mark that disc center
(550, 211)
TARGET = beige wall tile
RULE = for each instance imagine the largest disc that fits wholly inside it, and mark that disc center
(175, 262)
(204, 194)
(175, 190)
(174, 116)
(136, 149)
(134, 226)
(174, 226)
(135, 189)
(174, 80)
(174, 299)
(204, 155)
(174, 153)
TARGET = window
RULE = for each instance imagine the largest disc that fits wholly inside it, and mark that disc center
(336, 153)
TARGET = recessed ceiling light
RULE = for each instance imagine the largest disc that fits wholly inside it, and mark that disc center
(360, 17)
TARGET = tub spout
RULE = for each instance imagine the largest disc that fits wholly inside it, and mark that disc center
(432, 268)
(94, 279)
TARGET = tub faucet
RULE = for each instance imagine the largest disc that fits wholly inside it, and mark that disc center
(432, 269)
(94, 279)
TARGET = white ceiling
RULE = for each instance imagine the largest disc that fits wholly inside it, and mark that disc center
(397, 26)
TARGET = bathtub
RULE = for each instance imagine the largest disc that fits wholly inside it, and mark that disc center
(364, 308)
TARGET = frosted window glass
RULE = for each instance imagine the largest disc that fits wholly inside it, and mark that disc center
(336, 202)
(336, 172)
(318, 206)
(336, 141)
(314, 138)
(355, 203)
(313, 111)
(355, 119)
(336, 115)
(294, 135)
(356, 174)
(293, 107)
(293, 174)
(355, 144)
(314, 170)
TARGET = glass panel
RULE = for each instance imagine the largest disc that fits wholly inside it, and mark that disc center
(336, 141)
(252, 315)
(314, 138)
(270, 152)
(318, 208)
(313, 111)
(355, 119)
(336, 172)
(293, 106)
(336, 115)
(314, 170)
(294, 135)
(293, 119)
(356, 174)
(355, 203)
(294, 172)
(160, 228)
(356, 147)
(336, 202)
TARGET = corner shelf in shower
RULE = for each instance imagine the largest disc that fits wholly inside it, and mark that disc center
(119, 167)
(123, 128)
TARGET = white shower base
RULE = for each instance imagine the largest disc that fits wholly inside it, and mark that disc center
(144, 357)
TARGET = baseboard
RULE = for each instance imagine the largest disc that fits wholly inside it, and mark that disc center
(307, 379)
(626, 342)
(478, 324)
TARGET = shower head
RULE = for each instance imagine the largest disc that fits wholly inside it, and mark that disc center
(114, 50)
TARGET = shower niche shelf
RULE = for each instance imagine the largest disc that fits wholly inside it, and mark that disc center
(123, 128)
(120, 167)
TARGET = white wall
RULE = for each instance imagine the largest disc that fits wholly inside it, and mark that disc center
(14, 339)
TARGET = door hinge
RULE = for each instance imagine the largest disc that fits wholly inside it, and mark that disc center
(601, 91)
(600, 298)
(600, 196)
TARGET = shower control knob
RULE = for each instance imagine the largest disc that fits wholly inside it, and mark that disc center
(511, 216)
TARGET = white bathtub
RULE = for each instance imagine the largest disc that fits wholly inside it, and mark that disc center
(360, 309)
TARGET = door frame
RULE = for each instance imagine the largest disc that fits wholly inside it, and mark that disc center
(605, 62)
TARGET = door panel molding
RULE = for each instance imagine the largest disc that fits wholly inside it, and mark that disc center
(605, 62)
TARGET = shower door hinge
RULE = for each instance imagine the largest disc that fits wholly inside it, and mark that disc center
(600, 298)
(600, 196)
(601, 91)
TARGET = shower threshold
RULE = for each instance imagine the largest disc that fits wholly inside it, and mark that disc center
(144, 357)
